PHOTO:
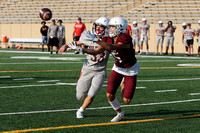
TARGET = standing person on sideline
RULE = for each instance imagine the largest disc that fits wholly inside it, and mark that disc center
(43, 31)
(121, 47)
(189, 34)
(53, 36)
(79, 27)
(129, 32)
(184, 26)
(144, 35)
(93, 71)
(135, 36)
(170, 29)
(160, 30)
(198, 38)
(61, 33)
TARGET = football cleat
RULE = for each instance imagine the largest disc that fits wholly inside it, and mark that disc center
(118, 117)
(79, 114)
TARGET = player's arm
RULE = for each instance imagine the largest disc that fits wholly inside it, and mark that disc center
(110, 47)
(182, 37)
(173, 29)
(148, 32)
(166, 27)
(139, 33)
(94, 51)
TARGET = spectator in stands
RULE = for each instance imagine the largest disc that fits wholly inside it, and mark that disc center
(144, 34)
(160, 30)
(135, 35)
(61, 33)
(198, 38)
(189, 34)
(79, 27)
(129, 32)
(43, 31)
(53, 36)
(170, 29)
(184, 26)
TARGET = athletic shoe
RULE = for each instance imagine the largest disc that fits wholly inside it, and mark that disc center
(118, 117)
(79, 114)
(147, 53)
(51, 52)
(166, 53)
(155, 53)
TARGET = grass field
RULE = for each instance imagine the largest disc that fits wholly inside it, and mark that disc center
(37, 94)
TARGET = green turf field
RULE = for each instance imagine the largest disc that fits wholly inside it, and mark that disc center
(37, 94)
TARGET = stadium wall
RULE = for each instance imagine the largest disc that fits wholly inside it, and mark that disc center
(33, 31)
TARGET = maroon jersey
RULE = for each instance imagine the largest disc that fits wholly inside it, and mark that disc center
(124, 58)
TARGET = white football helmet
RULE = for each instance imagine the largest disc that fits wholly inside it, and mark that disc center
(160, 22)
(120, 24)
(184, 24)
(102, 21)
(134, 22)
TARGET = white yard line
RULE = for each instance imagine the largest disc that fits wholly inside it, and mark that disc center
(160, 80)
(46, 81)
(189, 65)
(24, 79)
(194, 94)
(165, 90)
(3, 77)
(99, 108)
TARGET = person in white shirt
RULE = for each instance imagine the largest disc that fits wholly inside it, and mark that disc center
(189, 34)
(160, 30)
(184, 25)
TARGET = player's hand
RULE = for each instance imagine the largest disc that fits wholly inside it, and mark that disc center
(88, 36)
(63, 49)
(73, 46)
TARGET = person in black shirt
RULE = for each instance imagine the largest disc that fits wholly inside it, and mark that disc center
(43, 31)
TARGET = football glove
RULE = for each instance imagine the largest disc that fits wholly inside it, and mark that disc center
(73, 46)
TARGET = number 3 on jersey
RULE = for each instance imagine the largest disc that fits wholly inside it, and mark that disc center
(99, 57)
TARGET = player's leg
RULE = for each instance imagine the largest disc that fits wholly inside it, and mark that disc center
(114, 81)
(138, 44)
(43, 41)
(161, 45)
(147, 45)
(172, 45)
(134, 42)
(82, 89)
(129, 88)
(167, 45)
(198, 51)
(157, 44)
(141, 46)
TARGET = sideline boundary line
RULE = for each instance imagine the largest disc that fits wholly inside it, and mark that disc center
(101, 124)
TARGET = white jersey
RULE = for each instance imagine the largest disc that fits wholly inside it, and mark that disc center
(160, 30)
(169, 32)
(144, 29)
(96, 62)
(189, 33)
(135, 31)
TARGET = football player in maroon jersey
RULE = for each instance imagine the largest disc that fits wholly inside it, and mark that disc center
(126, 66)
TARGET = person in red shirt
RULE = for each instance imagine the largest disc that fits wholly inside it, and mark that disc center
(129, 31)
(79, 27)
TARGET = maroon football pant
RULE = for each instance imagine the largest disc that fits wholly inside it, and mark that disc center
(114, 82)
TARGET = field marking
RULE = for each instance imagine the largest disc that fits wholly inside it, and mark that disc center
(190, 65)
(160, 80)
(101, 124)
(98, 108)
(4, 77)
(24, 79)
(194, 94)
(23, 86)
(170, 57)
(48, 58)
(46, 81)
(39, 63)
(146, 68)
(165, 90)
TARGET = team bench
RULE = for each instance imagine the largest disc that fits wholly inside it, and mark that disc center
(25, 41)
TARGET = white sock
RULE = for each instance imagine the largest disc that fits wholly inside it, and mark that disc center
(140, 50)
(115, 104)
(147, 51)
(81, 109)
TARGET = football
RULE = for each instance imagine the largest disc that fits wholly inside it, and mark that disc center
(45, 14)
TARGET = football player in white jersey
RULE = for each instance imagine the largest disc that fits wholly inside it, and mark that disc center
(93, 71)
(189, 34)
(144, 35)
(184, 26)
(198, 36)
(160, 30)
(135, 35)
(170, 29)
